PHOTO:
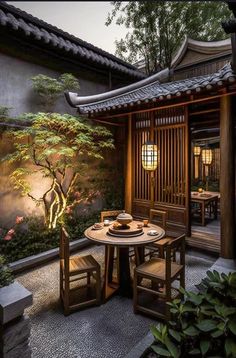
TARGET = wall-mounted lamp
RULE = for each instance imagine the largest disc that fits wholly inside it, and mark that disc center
(149, 156)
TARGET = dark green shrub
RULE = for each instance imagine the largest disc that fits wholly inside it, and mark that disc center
(6, 277)
(31, 236)
(203, 324)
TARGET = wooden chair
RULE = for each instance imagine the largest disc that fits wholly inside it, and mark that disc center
(109, 280)
(74, 269)
(110, 214)
(159, 272)
(160, 245)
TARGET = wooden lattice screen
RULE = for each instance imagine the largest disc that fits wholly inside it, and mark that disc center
(167, 187)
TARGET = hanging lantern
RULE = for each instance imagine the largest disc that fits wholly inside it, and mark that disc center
(196, 150)
(206, 156)
(149, 156)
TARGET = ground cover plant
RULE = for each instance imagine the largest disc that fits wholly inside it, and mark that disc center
(31, 236)
(203, 324)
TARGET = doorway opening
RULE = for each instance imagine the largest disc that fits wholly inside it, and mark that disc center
(205, 175)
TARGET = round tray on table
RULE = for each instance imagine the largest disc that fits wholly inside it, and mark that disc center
(125, 231)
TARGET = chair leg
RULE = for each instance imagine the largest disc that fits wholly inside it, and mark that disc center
(182, 279)
(168, 299)
(88, 279)
(61, 284)
(98, 286)
(135, 292)
(66, 299)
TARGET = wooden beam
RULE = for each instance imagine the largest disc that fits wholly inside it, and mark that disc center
(109, 123)
(204, 112)
(128, 173)
(227, 178)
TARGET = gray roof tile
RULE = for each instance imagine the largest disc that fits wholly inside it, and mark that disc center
(42, 31)
(153, 90)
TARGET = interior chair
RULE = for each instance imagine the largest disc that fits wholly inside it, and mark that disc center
(149, 298)
(158, 247)
(74, 269)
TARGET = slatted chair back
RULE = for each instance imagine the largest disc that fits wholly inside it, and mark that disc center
(160, 214)
(64, 250)
(110, 214)
(177, 244)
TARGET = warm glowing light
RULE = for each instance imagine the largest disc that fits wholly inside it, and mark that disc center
(150, 156)
(196, 150)
(207, 156)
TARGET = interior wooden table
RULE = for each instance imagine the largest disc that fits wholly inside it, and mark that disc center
(122, 283)
(205, 199)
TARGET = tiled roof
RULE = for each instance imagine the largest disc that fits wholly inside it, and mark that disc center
(153, 91)
(45, 33)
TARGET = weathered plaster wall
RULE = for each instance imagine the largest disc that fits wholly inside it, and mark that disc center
(16, 87)
(16, 92)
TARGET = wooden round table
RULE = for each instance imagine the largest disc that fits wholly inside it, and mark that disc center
(122, 283)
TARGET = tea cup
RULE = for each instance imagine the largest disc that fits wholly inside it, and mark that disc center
(145, 222)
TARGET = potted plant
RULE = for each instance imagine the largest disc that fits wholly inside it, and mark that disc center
(203, 324)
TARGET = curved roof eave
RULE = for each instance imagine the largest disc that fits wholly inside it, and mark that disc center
(207, 47)
(75, 100)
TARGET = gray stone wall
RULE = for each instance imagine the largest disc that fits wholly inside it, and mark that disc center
(16, 88)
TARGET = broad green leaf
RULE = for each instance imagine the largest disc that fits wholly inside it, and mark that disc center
(191, 331)
(175, 334)
(161, 351)
(204, 346)
(175, 352)
(206, 325)
(232, 326)
(156, 333)
(217, 334)
(230, 347)
(195, 351)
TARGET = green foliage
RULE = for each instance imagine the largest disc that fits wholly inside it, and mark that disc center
(4, 112)
(32, 236)
(77, 225)
(6, 277)
(60, 147)
(203, 324)
(49, 89)
(156, 29)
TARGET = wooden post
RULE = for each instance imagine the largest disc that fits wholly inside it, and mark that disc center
(227, 178)
(188, 172)
(128, 174)
(152, 174)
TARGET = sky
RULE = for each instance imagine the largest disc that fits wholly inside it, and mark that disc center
(84, 19)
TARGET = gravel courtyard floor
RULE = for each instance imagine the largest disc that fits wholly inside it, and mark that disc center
(110, 330)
